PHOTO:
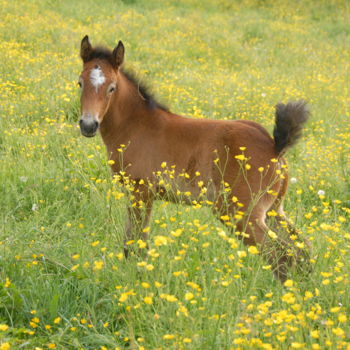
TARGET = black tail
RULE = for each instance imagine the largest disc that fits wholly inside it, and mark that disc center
(289, 122)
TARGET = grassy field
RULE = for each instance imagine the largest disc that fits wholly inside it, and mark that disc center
(64, 283)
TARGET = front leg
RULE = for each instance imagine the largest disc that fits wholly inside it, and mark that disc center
(139, 213)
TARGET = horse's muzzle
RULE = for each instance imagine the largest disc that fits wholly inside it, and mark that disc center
(89, 127)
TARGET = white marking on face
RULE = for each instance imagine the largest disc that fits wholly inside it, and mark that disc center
(97, 77)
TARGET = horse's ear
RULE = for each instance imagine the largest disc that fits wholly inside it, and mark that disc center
(85, 48)
(118, 54)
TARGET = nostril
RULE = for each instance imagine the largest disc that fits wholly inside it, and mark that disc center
(88, 126)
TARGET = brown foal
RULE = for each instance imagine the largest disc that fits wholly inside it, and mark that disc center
(235, 166)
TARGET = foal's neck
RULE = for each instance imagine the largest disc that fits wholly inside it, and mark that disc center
(127, 114)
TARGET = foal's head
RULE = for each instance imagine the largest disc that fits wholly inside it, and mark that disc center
(98, 82)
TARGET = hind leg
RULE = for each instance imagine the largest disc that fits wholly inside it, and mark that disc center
(253, 230)
(274, 249)
(280, 223)
(300, 248)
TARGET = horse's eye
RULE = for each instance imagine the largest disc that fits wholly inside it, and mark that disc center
(111, 89)
(79, 83)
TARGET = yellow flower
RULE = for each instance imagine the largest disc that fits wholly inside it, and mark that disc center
(148, 300)
(308, 295)
(57, 320)
(315, 334)
(238, 341)
(281, 338)
(142, 244)
(160, 240)
(300, 245)
(7, 282)
(123, 297)
(111, 162)
(4, 327)
(5, 346)
(288, 283)
(341, 218)
(253, 250)
(242, 253)
(308, 215)
(177, 232)
(338, 332)
(288, 298)
(240, 157)
(189, 296)
(168, 336)
(272, 234)
(171, 298)
(342, 318)
(51, 346)
(98, 265)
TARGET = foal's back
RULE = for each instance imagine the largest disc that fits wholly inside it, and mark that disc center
(209, 146)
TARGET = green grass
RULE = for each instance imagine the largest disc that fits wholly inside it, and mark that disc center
(223, 60)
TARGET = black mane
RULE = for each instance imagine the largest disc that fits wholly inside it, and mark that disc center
(103, 53)
(144, 90)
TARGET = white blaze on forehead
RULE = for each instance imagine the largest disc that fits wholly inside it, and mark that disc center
(97, 77)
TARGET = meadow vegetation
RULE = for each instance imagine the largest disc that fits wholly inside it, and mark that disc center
(64, 281)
